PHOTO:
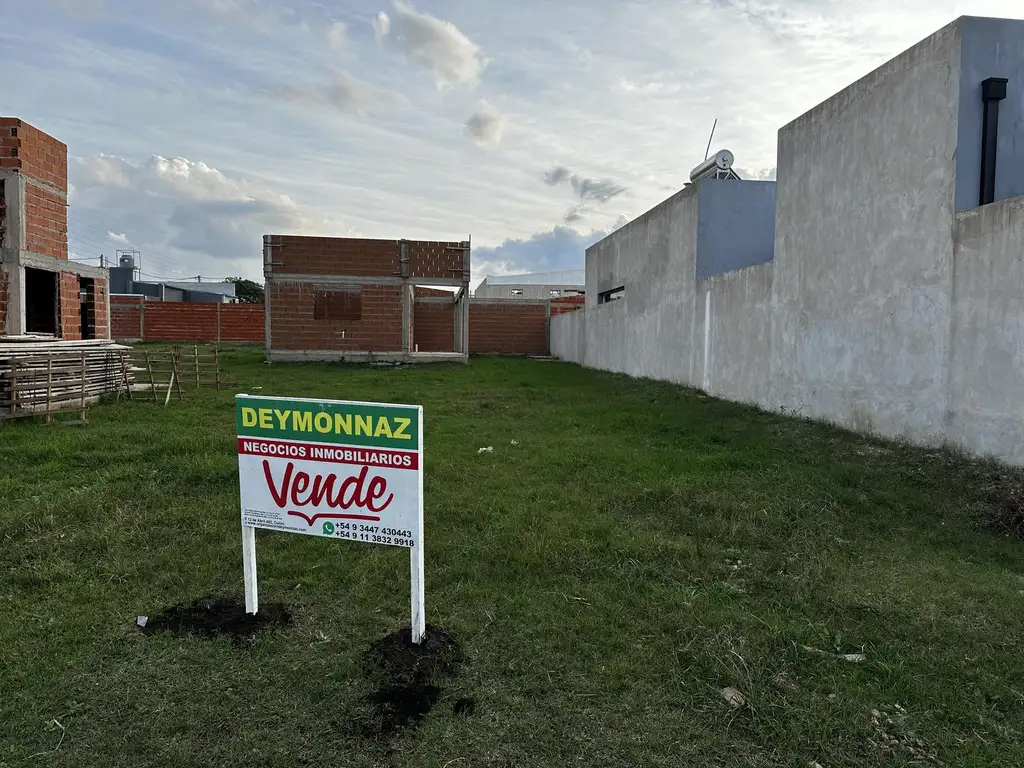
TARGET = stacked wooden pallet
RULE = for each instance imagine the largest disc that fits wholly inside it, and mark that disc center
(46, 377)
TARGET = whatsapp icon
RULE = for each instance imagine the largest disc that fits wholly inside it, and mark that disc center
(328, 529)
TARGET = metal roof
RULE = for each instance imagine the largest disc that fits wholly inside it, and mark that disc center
(563, 277)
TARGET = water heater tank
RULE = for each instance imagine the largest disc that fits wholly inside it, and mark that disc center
(127, 261)
(720, 162)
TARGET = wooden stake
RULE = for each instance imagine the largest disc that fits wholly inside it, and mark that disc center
(49, 387)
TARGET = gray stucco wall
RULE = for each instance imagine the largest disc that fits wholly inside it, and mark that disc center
(739, 336)
(986, 369)
(990, 48)
(883, 310)
(568, 333)
(648, 331)
(735, 224)
(863, 250)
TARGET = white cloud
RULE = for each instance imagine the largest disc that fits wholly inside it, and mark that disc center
(486, 126)
(344, 93)
(435, 44)
(618, 97)
(381, 25)
(185, 216)
(556, 249)
(336, 35)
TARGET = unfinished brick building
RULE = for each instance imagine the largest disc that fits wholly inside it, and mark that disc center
(41, 291)
(366, 300)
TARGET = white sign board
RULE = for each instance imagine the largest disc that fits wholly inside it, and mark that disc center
(332, 468)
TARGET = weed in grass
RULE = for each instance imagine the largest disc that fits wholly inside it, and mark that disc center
(1007, 515)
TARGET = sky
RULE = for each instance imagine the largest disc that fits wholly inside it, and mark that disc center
(535, 128)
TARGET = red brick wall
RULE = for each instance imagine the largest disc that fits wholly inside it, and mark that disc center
(508, 327)
(293, 255)
(180, 321)
(567, 304)
(435, 259)
(292, 325)
(32, 152)
(70, 307)
(433, 325)
(243, 322)
(126, 317)
(46, 223)
(132, 318)
(36, 155)
(101, 298)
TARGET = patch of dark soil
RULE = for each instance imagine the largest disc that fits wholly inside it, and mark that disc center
(407, 677)
(464, 707)
(1006, 516)
(213, 617)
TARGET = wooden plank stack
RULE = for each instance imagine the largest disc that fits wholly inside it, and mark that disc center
(48, 377)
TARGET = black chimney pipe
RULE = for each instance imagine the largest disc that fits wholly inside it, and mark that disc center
(993, 91)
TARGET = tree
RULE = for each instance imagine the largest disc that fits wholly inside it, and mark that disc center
(247, 291)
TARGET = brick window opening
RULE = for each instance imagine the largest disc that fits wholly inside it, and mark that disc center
(338, 304)
(517, 291)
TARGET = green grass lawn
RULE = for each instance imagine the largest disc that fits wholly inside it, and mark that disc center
(638, 549)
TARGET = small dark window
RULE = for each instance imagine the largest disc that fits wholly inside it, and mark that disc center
(338, 304)
(613, 295)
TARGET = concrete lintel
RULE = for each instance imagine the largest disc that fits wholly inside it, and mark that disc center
(365, 280)
(435, 299)
(353, 356)
(50, 264)
(38, 184)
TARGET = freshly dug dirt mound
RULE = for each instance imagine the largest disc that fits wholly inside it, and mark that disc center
(407, 677)
(213, 617)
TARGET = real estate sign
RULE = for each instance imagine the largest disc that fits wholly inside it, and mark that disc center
(332, 468)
